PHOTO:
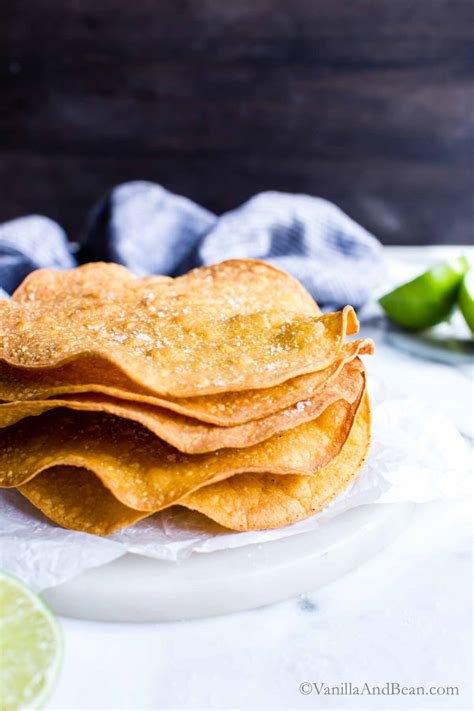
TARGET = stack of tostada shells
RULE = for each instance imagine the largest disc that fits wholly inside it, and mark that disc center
(225, 391)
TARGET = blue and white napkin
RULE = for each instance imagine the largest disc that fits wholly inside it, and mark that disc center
(153, 231)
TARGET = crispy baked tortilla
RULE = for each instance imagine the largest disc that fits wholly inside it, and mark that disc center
(223, 409)
(255, 501)
(203, 333)
(174, 359)
(235, 286)
(75, 498)
(192, 436)
(147, 474)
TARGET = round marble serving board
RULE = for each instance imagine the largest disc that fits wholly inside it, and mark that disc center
(138, 589)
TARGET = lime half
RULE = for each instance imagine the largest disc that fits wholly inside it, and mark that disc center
(30, 647)
(466, 298)
(428, 299)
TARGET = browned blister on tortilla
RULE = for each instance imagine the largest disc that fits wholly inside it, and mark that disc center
(168, 337)
(192, 436)
(75, 498)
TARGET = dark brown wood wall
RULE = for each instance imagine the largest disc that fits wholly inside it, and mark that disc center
(369, 103)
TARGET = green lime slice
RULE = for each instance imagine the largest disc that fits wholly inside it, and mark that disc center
(428, 299)
(466, 298)
(30, 647)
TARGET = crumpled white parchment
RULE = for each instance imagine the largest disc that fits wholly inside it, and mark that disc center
(416, 455)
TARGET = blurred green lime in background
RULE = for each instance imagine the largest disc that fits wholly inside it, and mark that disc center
(466, 298)
(429, 299)
(30, 647)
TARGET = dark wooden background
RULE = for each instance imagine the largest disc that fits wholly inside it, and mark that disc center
(367, 102)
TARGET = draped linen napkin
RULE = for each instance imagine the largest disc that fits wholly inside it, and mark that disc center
(153, 231)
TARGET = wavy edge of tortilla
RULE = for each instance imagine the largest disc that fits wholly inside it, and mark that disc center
(22, 289)
(123, 363)
(321, 488)
(81, 493)
(192, 436)
(209, 409)
(155, 498)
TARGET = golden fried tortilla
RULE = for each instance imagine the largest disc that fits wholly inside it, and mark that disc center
(75, 498)
(250, 502)
(223, 409)
(203, 333)
(147, 474)
(235, 286)
(192, 436)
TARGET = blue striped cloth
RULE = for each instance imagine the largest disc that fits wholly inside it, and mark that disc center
(153, 231)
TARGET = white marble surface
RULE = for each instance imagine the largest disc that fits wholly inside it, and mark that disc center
(404, 616)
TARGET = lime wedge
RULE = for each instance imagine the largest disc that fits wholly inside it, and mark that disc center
(466, 298)
(428, 299)
(30, 647)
